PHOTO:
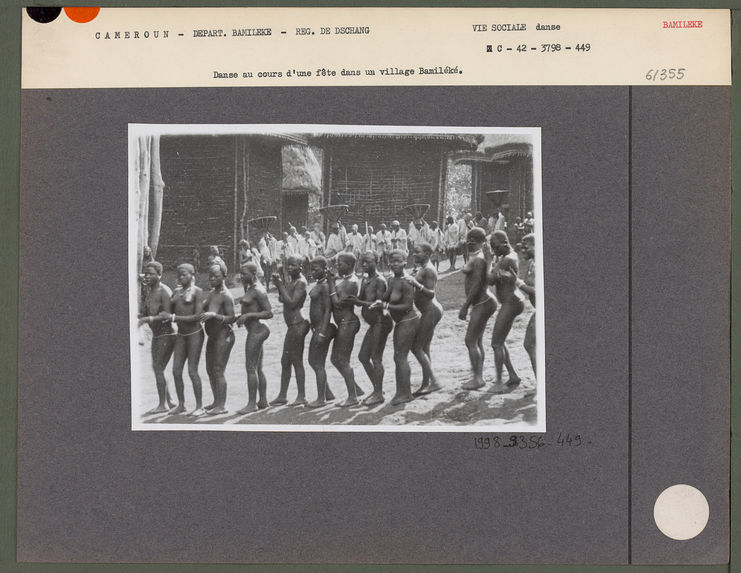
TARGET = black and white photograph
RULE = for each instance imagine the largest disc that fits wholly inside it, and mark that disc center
(336, 278)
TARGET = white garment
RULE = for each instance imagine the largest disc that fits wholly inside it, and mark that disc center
(499, 225)
(462, 230)
(369, 243)
(383, 242)
(399, 240)
(334, 245)
(451, 236)
(302, 247)
(354, 243)
(318, 238)
(435, 238)
(273, 247)
(419, 235)
(311, 248)
(264, 250)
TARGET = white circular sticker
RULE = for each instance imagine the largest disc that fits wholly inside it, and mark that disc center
(681, 512)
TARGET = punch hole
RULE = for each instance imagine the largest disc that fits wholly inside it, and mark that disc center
(681, 512)
(81, 14)
(42, 14)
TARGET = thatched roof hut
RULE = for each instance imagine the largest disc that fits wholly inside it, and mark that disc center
(302, 170)
(302, 185)
(502, 174)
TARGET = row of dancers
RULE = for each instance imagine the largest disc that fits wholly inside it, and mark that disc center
(405, 304)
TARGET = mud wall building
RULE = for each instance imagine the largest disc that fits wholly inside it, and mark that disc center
(214, 184)
(378, 174)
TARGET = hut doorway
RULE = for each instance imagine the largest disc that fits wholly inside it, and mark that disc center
(295, 209)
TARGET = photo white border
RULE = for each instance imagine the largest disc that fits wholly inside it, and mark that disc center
(138, 129)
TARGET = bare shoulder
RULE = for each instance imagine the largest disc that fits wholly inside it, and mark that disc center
(511, 260)
(478, 263)
(161, 293)
(299, 287)
(429, 272)
(351, 283)
(214, 296)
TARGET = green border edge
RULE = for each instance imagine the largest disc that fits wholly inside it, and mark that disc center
(10, 113)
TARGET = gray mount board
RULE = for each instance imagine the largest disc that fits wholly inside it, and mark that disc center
(636, 203)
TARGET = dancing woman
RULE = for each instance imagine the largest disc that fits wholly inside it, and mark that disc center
(217, 318)
(320, 312)
(157, 301)
(431, 311)
(186, 307)
(372, 290)
(399, 301)
(292, 294)
(527, 285)
(343, 292)
(480, 301)
(255, 309)
(503, 276)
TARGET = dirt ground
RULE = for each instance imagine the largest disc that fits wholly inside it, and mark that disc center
(450, 406)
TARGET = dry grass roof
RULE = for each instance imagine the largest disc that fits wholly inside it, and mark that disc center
(458, 140)
(301, 169)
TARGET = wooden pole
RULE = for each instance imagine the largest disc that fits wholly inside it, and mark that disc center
(245, 177)
(236, 220)
(144, 166)
(158, 187)
(441, 185)
(327, 181)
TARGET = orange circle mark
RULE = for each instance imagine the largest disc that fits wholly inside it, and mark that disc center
(81, 14)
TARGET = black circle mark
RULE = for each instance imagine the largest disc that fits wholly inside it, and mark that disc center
(43, 15)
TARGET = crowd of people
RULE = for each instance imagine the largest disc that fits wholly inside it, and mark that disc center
(338, 273)
(449, 242)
